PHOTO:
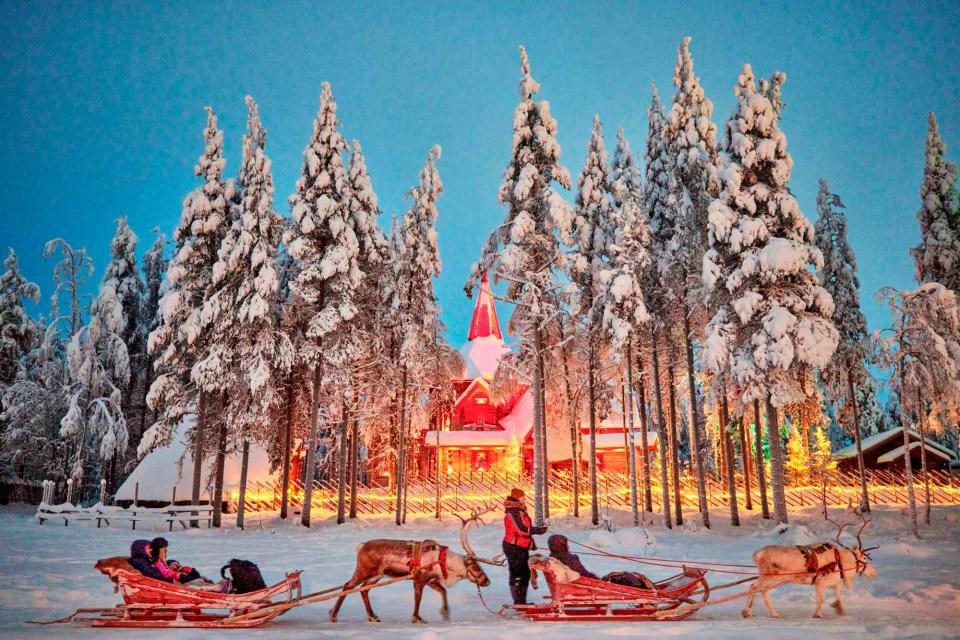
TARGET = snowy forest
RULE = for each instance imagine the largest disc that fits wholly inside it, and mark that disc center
(680, 282)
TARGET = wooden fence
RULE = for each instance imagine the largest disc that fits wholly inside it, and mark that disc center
(464, 491)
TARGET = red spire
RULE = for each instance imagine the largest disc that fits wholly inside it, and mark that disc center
(484, 322)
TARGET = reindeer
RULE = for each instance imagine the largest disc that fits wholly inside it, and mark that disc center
(429, 563)
(822, 565)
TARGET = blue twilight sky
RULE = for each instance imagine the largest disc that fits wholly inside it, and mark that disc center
(101, 106)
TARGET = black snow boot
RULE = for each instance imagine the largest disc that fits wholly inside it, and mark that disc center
(518, 593)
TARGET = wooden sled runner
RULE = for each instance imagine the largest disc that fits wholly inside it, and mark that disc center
(154, 603)
(586, 599)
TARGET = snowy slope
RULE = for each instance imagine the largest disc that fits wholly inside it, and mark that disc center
(47, 571)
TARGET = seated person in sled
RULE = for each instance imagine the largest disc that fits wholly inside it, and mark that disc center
(150, 559)
(560, 550)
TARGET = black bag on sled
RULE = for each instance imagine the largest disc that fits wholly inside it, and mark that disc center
(244, 576)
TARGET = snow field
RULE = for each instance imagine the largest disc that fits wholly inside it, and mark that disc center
(47, 572)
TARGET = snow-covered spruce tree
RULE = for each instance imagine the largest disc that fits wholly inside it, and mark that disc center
(245, 356)
(177, 341)
(691, 141)
(414, 265)
(325, 250)
(657, 202)
(17, 329)
(525, 249)
(120, 300)
(620, 302)
(937, 257)
(154, 267)
(30, 410)
(98, 372)
(592, 235)
(922, 351)
(772, 319)
(846, 373)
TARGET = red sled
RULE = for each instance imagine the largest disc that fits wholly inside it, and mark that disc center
(154, 603)
(589, 600)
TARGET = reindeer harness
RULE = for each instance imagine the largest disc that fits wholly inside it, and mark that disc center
(811, 554)
(415, 553)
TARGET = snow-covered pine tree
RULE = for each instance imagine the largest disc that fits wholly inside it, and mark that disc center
(922, 350)
(691, 142)
(657, 199)
(245, 355)
(620, 301)
(69, 277)
(177, 342)
(775, 320)
(846, 375)
(415, 264)
(592, 235)
(525, 249)
(937, 257)
(325, 249)
(18, 331)
(154, 267)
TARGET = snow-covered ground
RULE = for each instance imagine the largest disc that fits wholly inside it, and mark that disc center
(47, 572)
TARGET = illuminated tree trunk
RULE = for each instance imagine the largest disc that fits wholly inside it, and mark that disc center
(592, 404)
(544, 450)
(907, 466)
(574, 432)
(538, 470)
(661, 433)
(760, 466)
(401, 448)
(674, 447)
(776, 465)
(861, 466)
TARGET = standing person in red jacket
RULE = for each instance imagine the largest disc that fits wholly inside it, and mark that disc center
(517, 543)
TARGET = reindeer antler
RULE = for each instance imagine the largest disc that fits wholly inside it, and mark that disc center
(467, 523)
(840, 528)
(864, 522)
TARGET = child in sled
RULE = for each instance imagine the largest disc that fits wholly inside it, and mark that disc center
(173, 571)
(560, 550)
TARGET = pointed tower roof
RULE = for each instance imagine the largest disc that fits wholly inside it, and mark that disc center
(484, 323)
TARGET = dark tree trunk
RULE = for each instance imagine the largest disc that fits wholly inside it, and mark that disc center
(242, 499)
(923, 459)
(354, 465)
(745, 461)
(697, 444)
(544, 450)
(310, 464)
(287, 451)
(644, 441)
(342, 464)
(861, 467)
(218, 483)
(401, 448)
(760, 466)
(539, 473)
(776, 465)
(198, 454)
(631, 440)
(574, 432)
(731, 467)
(661, 433)
(592, 404)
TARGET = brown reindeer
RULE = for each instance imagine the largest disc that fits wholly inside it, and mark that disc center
(428, 563)
(822, 565)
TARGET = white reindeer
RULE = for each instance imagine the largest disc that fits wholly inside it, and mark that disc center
(822, 565)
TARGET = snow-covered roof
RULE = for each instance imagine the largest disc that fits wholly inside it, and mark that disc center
(481, 356)
(879, 438)
(159, 471)
(890, 456)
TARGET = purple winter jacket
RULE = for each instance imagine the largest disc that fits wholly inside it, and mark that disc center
(140, 560)
(561, 551)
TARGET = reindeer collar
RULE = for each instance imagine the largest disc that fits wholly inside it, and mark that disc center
(415, 551)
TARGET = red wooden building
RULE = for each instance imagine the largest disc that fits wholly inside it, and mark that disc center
(482, 435)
